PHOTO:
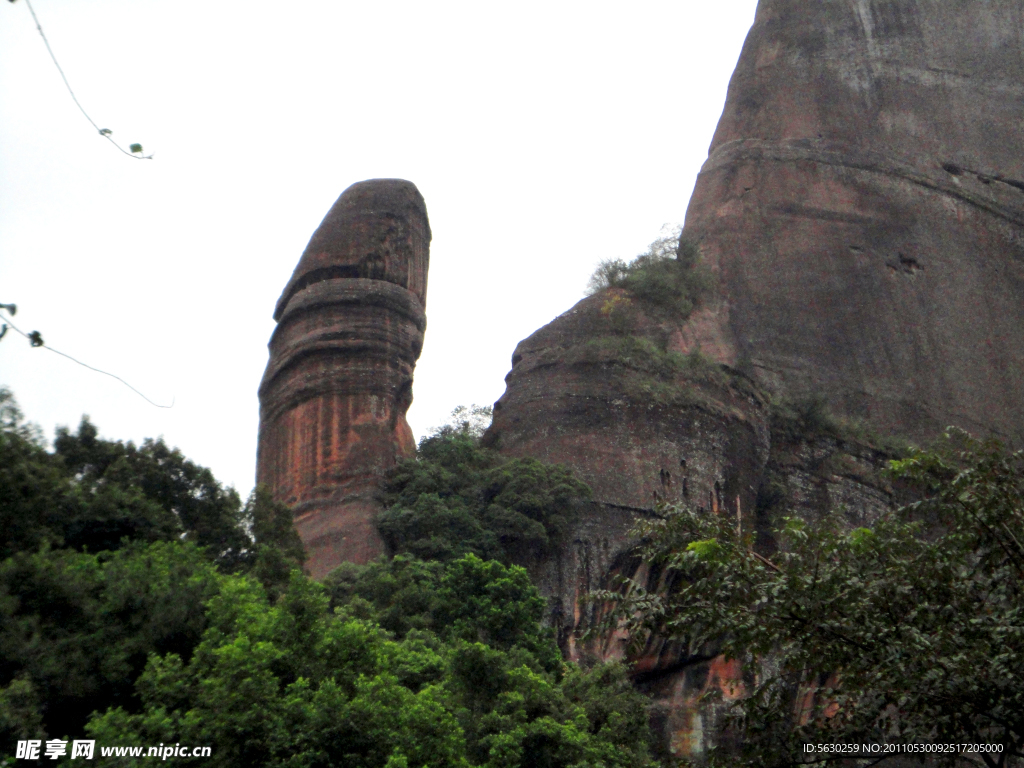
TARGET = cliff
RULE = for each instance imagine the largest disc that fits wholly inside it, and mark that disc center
(612, 389)
(863, 203)
(339, 380)
(862, 209)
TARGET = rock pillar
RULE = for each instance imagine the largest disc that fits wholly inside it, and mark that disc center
(339, 381)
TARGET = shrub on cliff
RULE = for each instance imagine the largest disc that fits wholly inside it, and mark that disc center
(457, 497)
(911, 631)
(668, 275)
(810, 418)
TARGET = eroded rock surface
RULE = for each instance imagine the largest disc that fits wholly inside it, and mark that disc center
(614, 389)
(863, 209)
(863, 202)
(339, 381)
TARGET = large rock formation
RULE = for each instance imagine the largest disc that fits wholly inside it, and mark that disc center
(863, 209)
(863, 202)
(339, 381)
(613, 389)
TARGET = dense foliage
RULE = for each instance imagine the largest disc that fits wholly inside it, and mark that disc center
(457, 497)
(668, 275)
(476, 681)
(141, 603)
(76, 629)
(90, 494)
(109, 552)
(910, 631)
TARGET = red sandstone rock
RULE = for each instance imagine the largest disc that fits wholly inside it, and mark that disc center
(604, 389)
(863, 205)
(863, 202)
(339, 381)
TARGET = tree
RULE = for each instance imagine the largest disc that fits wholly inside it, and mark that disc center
(92, 494)
(907, 632)
(76, 629)
(99, 567)
(457, 497)
(141, 603)
(204, 511)
(289, 683)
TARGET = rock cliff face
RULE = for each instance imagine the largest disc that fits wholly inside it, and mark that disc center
(613, 389)
(863, 209)
(863, 202)
(339, 381)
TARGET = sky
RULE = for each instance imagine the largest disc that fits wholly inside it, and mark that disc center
(545, 137)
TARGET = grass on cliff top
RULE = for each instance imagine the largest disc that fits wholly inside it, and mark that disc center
(668, 275)
(647, 356)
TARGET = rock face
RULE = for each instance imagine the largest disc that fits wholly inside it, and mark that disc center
(339, 381)
(863, 202)
(613, 389)
(604, 390)
(863, 209)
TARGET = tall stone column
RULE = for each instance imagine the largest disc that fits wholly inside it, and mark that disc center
(339, 381)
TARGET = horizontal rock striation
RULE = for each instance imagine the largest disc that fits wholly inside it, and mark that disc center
(605, 390)
(615, 390)
(339, 381)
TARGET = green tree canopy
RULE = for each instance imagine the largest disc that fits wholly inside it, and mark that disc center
(90, 493)
(99, 566)
(140, 603)
(200, 507)
(457, 497)
(288, 683)
(76, 628)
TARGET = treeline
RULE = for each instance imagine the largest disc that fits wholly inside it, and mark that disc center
(143, 603)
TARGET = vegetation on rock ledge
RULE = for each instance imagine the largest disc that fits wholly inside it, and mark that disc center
(810, 418)
(668, 275)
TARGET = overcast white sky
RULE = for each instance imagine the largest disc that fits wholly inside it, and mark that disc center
(544, 136)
